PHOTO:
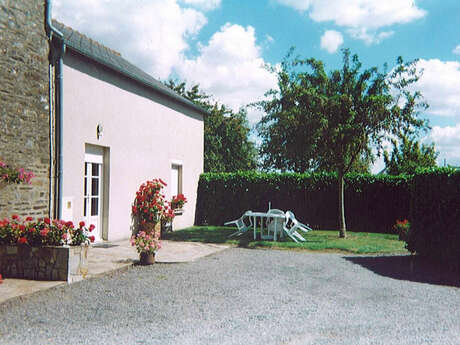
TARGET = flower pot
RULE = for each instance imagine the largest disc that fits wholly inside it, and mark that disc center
(152, 228)
(43, 263)
(147, 258)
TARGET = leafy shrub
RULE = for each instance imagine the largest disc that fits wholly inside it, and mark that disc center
(372, 203)
(402, 228)
(435, 215)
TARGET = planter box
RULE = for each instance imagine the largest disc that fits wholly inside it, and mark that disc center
(43, 263)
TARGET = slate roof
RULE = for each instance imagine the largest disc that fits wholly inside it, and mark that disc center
(114, 61)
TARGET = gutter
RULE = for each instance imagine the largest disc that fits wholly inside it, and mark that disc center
(57, 50)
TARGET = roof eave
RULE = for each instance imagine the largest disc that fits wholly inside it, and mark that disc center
(165, 92)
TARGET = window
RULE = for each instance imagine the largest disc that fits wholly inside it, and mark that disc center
(176, 179)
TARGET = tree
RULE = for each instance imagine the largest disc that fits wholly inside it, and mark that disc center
(226, 133)
(316, 120)
(407, 156)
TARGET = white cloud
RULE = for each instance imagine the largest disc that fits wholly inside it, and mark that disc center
(331, 41)
(447, 142)
(440, 86)
(456, 50)
(153, 34)
(230, 67)
(369, 37)
(363, 18)
(205, 5)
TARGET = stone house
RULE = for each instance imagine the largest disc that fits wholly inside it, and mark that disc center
(102, 127)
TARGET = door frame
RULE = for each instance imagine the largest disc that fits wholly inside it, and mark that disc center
(100, 155)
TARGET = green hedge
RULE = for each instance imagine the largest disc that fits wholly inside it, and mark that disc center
(435, 215)
(372, 203)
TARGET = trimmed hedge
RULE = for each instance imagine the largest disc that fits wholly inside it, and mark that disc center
(435, 215)
(372, 203)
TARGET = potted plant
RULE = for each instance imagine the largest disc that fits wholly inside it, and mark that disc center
(150, 208)
(402, 228)
(177, 203)
(43, 249)
(147, 245)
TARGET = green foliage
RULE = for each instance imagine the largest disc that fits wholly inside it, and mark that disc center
(320, 121)
(328, 122)
(435, 215)
(373, 202)
(226, 133)
(408, 156)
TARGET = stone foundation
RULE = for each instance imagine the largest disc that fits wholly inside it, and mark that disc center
(43, 263)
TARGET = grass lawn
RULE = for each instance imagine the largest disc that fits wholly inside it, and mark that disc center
(318, 240)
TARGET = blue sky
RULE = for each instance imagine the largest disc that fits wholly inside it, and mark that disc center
(222, 44)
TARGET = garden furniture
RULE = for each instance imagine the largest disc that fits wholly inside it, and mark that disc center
(264, 217)
(244, 223)
(275, 225)
(292, 225)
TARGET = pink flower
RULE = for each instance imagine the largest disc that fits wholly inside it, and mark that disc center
(64, 236)
(44, 232)
(21, 174)
(29, 176)
(46, 220)
(15, 217)
(2, 165)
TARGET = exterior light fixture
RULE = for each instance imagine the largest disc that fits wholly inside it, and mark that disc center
(99, 130)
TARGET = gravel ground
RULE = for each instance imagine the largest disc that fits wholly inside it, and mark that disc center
(246, 297)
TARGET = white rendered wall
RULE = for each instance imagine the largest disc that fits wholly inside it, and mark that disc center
(145, 134)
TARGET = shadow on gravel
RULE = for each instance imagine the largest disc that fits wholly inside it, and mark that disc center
(407, 267)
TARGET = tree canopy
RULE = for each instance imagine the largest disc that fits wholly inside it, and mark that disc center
(407, 155)
(227, 146)
(331, 121)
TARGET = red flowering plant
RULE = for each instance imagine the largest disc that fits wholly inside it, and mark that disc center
(150, 205)
(402, 228)
(43, 232)
(10, 175)
(178, 201)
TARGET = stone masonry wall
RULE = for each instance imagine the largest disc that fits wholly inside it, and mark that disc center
(24, 105)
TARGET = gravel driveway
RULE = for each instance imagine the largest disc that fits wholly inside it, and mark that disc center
(242, 296)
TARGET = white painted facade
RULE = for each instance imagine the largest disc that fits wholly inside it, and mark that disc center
(144, 134)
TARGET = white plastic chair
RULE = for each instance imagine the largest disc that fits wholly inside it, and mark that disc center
(292, 225)
(275, 225)
(244, 223)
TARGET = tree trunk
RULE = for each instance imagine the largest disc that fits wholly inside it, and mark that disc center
(342, 225)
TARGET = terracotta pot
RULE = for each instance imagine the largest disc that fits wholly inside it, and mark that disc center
(152, 228)
(147, 258)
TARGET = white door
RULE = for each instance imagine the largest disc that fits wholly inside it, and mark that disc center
(92, 207)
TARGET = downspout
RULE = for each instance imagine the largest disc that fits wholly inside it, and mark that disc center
(57, 50)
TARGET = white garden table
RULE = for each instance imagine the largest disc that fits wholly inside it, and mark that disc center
(264, 216)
